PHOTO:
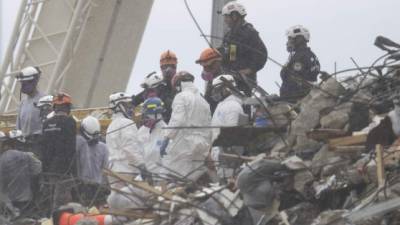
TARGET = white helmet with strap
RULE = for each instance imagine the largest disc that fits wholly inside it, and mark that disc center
(152, 80)
(28, 73)
(116, 103)
(90, 129)
(298, 30)
(233, 6)
(223, 78)
(45, 100)
(16, 135)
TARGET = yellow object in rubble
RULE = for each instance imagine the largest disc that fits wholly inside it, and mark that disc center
(232, 52)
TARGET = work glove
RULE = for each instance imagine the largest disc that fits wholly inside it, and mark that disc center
(163, 147)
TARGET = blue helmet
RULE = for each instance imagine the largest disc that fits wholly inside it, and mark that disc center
(153, 106)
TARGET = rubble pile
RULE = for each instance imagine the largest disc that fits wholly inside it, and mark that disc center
(316, 172)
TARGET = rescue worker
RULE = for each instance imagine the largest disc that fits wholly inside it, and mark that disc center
(228, 113)
(162, 89)
(302, 66)
(168, 66)
(59, 150)
(242, 49)
(388, 130)
(28, 118)
(211, 61)
(121, 137)
(92, 160)
(18, 170)
(151, 135)
(45, 106)
(155, 85)
(184, 150)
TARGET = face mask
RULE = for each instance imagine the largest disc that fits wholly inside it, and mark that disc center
(28, 87)
(150, 93)
(207, 76)
(169, 72)
(216, 94)
(150, 121)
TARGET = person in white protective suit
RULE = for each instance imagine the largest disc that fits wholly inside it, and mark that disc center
(185, 150)
(151, 137)
(125, 155)
(228, 113)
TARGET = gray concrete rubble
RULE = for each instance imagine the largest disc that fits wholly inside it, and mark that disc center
(285, 177)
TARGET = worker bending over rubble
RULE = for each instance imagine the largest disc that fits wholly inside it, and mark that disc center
(184, 150)
(92, 159)
(18, 171)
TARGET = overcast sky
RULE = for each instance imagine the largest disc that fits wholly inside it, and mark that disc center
(340, 29)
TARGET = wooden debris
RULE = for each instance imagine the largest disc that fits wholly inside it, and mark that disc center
(138, 184)
(325, 134)
(346, 141)
(380, 166)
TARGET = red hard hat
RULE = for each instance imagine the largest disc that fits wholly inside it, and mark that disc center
(61, 99)
(209, 54)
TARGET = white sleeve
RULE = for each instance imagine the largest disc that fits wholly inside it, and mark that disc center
(177, 116)
(131, 145)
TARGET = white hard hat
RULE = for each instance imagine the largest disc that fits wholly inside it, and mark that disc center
(233, 7)
(298, 30)
(117, 98)
(220, 80)
(17, 135)
(152, 80)
(45, 100)
(90, 125)
(28, 73)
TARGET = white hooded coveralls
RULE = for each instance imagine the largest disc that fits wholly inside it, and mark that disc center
(188, 148)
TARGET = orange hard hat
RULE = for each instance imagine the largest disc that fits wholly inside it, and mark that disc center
(168, 58)
(209, 54)
(61, 99)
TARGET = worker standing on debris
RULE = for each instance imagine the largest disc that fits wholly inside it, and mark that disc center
(154, 86)
(242, 49)
(17, 171)
(184, 150)
(211, 61)
(59, 155)
(28, 118)
(151, 134)
(92, 157)
(302, 67)
(228, 113)
(121, 139)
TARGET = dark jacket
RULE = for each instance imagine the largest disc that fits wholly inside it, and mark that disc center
(382, 134)
(59, 144)
(165, 93)
(303, 65)
(243, 48)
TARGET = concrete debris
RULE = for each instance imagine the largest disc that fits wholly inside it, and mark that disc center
(317, 172)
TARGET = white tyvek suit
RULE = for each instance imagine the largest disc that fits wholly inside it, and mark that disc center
(188, 148)
(226, 114)
(150, 142)
(123, 145)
